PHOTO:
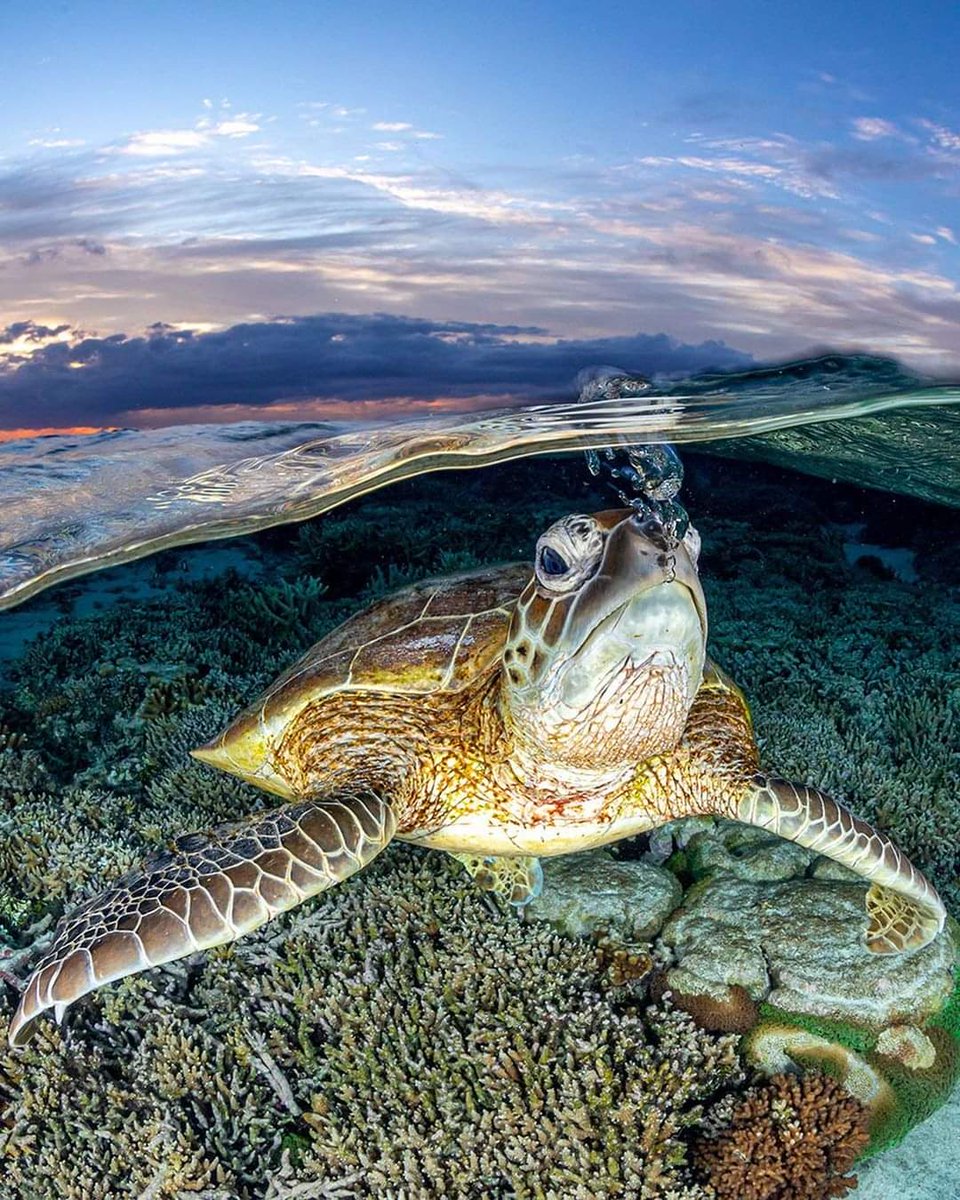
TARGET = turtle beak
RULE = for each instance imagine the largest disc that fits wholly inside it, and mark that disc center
(640, 556)
(674, 562)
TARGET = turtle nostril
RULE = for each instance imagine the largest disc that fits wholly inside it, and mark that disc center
(653, 531)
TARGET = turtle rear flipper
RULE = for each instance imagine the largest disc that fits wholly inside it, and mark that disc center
(518, 879)
(904, 910)
(211, 889)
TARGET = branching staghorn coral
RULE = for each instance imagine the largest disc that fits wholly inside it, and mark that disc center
(398, 1038)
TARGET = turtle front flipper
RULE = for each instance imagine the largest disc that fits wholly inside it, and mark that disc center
(904, 909)
(210, 889)
(517, 879)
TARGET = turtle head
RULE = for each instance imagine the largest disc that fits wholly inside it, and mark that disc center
(607, 643)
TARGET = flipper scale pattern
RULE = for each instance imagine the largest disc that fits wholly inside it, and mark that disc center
(210, 889)
(903, 909)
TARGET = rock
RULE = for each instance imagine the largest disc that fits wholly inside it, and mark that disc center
(798, 944)
(746, 853)
(593, 892)
(715, 940)
(826, 868)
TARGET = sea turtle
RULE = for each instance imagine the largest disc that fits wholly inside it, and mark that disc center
(494, 715)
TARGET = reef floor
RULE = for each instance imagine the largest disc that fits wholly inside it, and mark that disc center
(398, 1038)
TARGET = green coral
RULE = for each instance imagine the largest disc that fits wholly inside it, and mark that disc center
(948, 1017)
(917, 1092)
(851, 1037)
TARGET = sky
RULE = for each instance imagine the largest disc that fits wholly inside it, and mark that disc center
(216, 211)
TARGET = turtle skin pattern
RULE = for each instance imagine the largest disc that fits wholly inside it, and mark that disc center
(210, 889)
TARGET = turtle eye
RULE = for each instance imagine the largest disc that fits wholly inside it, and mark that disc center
(552, 563)
(568, 554)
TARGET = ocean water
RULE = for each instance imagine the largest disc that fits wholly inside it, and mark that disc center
(407, 1034)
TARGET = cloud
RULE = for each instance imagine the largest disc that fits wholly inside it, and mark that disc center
(942, 136)
(869, 129)
(298, 361)
(403, 127)
(164, 143)
(871, 161)
(770, 243)
(45, 254)
(778, 163)
(22, 339)
(57, 143)
(160, 142)
(30, 333)
(239, 127)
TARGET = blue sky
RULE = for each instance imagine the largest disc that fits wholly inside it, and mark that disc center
(184, 186)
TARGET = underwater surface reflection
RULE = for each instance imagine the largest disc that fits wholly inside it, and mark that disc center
(69, 505)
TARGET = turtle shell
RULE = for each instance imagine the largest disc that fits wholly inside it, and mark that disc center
(434, 636)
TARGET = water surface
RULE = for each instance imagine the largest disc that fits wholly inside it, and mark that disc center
(69, 505)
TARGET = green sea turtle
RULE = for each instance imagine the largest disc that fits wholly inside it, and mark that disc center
(494, 715)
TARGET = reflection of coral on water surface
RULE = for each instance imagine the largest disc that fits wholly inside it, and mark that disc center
(397, 1037)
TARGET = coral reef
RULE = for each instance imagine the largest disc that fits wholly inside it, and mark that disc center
(767, 945)
(858, 693)
(780, 1047)
(789, 1139)
(728, 1008)
(904, 1073)
(594, 893)
(798, 943)
(397, 1039)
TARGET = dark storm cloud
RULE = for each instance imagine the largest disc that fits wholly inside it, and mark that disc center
(328, 356)
(30, 331)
